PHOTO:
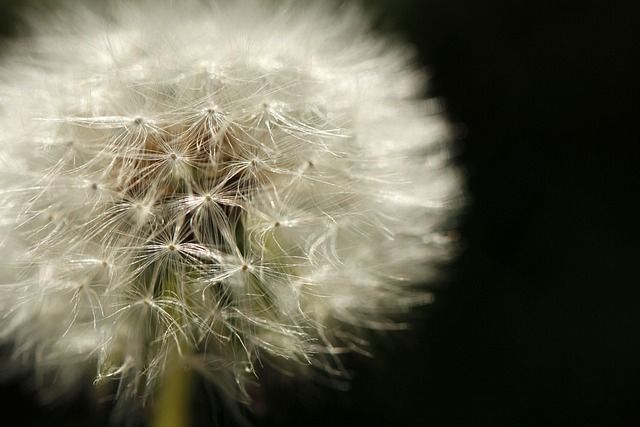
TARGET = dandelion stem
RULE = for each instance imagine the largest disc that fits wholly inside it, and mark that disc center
(172, 405)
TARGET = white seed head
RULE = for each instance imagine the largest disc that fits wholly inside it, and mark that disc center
(213, 183)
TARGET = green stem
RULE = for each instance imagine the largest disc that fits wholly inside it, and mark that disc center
(172, 408)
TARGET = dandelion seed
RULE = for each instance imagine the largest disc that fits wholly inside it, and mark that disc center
(262, 183)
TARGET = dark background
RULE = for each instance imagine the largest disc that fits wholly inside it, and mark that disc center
(539, 321)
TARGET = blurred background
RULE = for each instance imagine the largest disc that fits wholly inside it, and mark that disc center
(538, 323)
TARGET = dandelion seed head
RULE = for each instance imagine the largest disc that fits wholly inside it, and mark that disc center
(260, 184)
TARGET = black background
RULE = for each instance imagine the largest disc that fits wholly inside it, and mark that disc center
(539, 321)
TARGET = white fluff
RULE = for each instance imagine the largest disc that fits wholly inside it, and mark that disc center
(218, 183)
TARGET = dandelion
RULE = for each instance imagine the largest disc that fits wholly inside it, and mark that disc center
(213, 186)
